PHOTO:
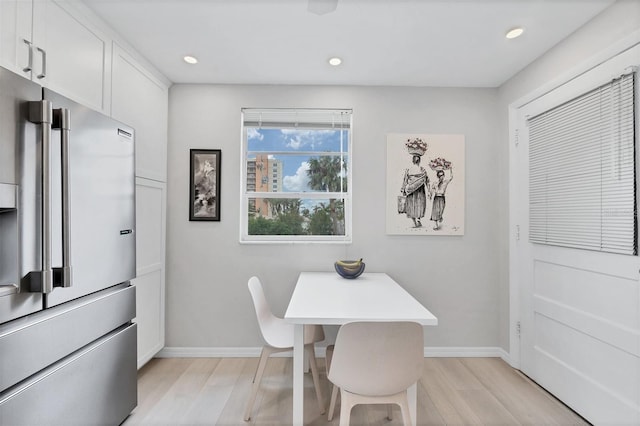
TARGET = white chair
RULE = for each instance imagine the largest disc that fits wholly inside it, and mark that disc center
(335, 389)
(278, 336)
(375, 363)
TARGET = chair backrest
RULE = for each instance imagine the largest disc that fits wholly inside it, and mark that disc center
(377, 358)
(275, 331)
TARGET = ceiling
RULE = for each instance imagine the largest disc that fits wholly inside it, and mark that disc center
(446, 43)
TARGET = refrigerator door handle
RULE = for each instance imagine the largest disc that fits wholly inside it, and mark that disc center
(40, 112)
(61, 120)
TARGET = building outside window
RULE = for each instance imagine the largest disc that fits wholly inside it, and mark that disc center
(297, 179)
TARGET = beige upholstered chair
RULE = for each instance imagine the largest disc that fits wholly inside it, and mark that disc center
(375, 363)
(278, 336)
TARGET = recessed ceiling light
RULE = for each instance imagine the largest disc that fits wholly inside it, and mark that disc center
(514, 32)
(190, 59)
(335, 61)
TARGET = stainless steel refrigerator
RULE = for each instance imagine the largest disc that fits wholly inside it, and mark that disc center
(67, 253)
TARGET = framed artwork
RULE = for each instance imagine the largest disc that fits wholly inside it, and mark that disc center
(425, 184)
(204, 184)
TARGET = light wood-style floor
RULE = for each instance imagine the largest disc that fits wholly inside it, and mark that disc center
(452, 391)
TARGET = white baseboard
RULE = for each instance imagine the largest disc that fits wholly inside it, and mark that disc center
(463, 352)
(186, 352)
(251, 352)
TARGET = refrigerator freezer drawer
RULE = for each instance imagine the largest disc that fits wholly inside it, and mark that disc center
(29, 344)
(95, 386)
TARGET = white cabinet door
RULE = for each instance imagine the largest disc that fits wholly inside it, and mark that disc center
(150, 258)
(140, 100)
(70, 56)
(15, 36)
(49, 42)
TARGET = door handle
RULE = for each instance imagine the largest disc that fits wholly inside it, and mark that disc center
(62, 275)
(40, 112)
(29, 66)
(43, 54)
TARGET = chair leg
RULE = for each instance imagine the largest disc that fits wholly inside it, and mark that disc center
(404, 408)
(345, 408)
(332, 405)
(389, 413)
(316, 377)
(328, 357)
(335, 389)
(257, 378)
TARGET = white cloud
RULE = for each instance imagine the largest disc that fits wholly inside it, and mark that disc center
(295, 142)
(254, 134)
(297, 139)
(299, 181)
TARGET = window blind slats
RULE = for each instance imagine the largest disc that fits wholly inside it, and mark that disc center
(582, 171)
(297, 118)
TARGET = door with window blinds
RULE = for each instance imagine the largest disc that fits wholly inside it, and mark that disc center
(577, 263)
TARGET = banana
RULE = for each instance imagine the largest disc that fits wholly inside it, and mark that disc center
(351, 265)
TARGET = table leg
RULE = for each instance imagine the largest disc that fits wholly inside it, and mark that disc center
(412, 396)
(298, 375)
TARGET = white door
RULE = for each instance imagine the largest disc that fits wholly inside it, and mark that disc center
(579, 309)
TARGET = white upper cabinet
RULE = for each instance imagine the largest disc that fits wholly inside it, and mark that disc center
(139, 99)
(16, 36)
(50, 43)
(71, 57)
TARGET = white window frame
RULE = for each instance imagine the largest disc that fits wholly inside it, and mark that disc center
(347, 151)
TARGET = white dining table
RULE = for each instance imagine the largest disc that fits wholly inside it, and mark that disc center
(326, 298)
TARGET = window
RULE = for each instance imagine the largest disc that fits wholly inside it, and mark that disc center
(296, 178)
(582, 171)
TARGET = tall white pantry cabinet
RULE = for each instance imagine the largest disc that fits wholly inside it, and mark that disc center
(141, 100)
(62, 45)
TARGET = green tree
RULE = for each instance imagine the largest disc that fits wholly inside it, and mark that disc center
(289, 223)
(283, 224)
(286, 219)
(259, 225)
(320, 222)
(326, 173)
(280, 206)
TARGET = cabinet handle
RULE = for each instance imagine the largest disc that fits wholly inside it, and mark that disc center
(43, 53)
(29, 66)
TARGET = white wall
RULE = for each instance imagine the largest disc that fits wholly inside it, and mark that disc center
(457, 278)
(611, 30)
(463, 280)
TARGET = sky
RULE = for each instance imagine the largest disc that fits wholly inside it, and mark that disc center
(294, 141)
